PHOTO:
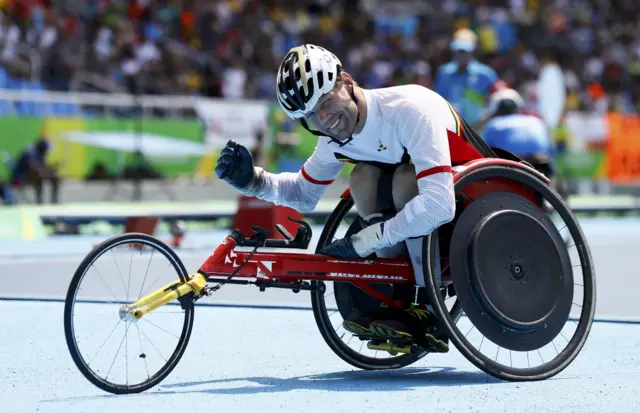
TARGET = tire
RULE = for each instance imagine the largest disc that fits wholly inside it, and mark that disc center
(570, 352)
(329, 335)
(187, 326)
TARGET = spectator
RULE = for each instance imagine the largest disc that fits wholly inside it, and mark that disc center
(31, 169)
(6, 194)
(229, 48)
(465, 82)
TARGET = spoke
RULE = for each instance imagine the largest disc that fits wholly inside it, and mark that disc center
(111, 312)
(472, 327)
(91, 335)
(129, 279)
(554, 346)
(154, 346)
(105, 341)
(145, 274)
(528, 364)
(481, 342)
(158, 327)
(351, 338)
(540, 356)
(118, 267)
(118, 352)
(510, 359)
(142, 353)
(126, 355)
(105, 284)
(154, 281)
(333, 313)
(444, 269)
(578, 305)
(497, 351)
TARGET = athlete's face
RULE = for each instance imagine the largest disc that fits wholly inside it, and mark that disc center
(335, 113)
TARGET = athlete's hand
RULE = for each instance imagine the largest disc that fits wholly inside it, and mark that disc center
(359, 245)
(235, 165)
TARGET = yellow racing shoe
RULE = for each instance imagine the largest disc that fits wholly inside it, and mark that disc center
(414, 324)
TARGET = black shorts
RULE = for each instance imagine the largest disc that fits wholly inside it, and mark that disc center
(384, 201)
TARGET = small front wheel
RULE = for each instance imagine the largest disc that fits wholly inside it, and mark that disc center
(114, 347)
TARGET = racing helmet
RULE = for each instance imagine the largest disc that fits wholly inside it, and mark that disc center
(306, 73)
(505, 101)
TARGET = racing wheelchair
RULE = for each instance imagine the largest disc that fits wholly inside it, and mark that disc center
(511, 279)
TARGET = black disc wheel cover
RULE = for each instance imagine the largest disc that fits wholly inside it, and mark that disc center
(511, 271)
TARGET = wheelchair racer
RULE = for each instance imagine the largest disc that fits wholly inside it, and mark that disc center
(401, 140)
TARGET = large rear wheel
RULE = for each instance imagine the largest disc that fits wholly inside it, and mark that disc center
(530, 292)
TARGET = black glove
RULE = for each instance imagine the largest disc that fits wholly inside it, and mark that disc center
(235, 165)
(359, 245)
(342, 248)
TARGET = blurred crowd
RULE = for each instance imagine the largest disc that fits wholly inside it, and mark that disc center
(232, 48)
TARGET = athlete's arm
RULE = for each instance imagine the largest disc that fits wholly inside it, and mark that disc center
(302, 190)
(425, 138)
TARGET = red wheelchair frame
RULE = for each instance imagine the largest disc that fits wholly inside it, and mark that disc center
(294, 270)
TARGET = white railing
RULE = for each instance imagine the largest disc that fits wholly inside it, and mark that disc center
(105, 103)
(95, 81)
(583, 126)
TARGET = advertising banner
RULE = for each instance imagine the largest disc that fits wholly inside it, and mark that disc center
(173, 147)
(239, 120)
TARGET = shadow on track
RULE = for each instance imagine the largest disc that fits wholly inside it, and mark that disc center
(346, 381)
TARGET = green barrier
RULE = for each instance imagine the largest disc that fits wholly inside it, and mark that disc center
(76, 160)
(20, 223)
(581, 165)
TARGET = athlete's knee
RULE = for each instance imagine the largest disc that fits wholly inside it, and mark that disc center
(363, 182)
(404, 186)
(364, 175)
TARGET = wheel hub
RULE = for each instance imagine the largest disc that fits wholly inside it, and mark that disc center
(126, 314)
(517, 271)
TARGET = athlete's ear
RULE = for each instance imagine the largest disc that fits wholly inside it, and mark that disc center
(348, 80)
(347, 77)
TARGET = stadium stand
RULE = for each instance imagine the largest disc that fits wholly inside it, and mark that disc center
(230, 48)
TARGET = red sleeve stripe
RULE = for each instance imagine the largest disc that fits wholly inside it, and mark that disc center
(314, 181)
(434, 170)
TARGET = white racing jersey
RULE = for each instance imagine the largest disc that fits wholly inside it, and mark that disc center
(402, 122)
